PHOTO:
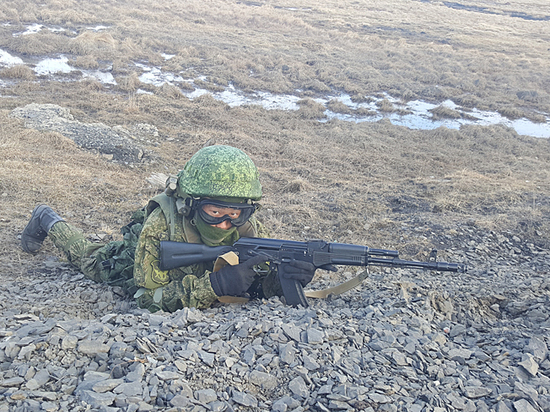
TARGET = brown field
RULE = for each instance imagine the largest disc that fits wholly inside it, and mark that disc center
(370, 183)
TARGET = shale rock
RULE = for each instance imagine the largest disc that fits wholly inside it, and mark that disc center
(115, 143)
(68, 344)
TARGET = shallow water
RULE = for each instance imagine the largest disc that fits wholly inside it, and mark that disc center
(419, 118)
(418, 115)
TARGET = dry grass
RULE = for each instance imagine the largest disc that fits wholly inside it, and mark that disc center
(48, 168)
(310, 109)
(19, 72)
(337, 106)
(86, 62)
(429, 51)
(340, 181)
(442, 112)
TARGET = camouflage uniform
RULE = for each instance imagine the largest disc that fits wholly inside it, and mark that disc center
(159, 290)
(187, 286)
(111, 263)
(216, 172)
(78, 250)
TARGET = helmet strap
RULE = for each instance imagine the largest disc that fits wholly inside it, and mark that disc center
(185, 206)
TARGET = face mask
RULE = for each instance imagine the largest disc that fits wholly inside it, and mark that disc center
(215, 236)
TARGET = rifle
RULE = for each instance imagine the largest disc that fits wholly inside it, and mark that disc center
(279, 252)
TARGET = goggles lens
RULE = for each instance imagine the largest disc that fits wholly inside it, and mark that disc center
(214, 212)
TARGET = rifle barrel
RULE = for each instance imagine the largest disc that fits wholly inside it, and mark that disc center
(399, 263)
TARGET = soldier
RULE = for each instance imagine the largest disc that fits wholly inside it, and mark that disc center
(212, 201)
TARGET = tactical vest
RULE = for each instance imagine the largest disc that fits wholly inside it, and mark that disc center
(117, 258)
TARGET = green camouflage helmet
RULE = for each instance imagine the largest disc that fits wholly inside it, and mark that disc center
(221, 172)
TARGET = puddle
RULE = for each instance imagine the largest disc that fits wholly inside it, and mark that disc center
(155, 76)
(36, 28)
(233, 98)
(102, 77)
(421, 118)
(98, 28)
(57, 66)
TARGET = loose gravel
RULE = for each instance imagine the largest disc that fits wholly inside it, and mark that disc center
(404, 341)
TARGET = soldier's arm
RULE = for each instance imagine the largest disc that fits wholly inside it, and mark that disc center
(182, 287)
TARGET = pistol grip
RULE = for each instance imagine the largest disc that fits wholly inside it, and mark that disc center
(292, 289)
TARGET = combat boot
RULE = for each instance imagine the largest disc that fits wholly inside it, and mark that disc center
(42, 220)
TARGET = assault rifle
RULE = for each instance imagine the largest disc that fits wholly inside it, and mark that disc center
(279, 252)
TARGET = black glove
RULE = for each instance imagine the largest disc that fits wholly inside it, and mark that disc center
(235, 280)
(299, 270)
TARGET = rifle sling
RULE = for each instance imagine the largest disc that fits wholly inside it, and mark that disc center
(338, 289)
(316, 294)
(232, 299)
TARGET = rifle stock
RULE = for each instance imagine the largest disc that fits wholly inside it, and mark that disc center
(177, 254)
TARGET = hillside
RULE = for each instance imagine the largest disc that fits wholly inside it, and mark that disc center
(96, 98)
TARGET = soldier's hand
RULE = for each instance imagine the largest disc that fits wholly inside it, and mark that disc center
(299, 270)
(235, 280)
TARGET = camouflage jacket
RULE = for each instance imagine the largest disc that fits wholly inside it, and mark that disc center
(187, 286)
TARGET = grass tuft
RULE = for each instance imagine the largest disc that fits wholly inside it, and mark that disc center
(20, 72)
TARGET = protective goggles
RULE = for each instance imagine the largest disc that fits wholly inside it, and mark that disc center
(210, 211)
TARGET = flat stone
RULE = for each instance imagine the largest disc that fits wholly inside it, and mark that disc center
(310, 363)
(106, 385)
(206, 395)
(11, 382)
(339, 405)
(137, 374)
(537, 348)
(529, 364)
(287, 353)
(315, 336)
(207, 357)
(476, 392)
(460, 355)
(217, 406)
(399, 358)
(97, 400)
(244, 399)
(523, 405)
(168, 375)
(26, 352)
(89, 347)
(180, 401)
(292, 332)
(69, 342)
(39, 379)
(299, 387)
(94, 136)
(378, 398)
(263, 380)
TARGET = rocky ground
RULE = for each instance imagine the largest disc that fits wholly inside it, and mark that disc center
(403, 341)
